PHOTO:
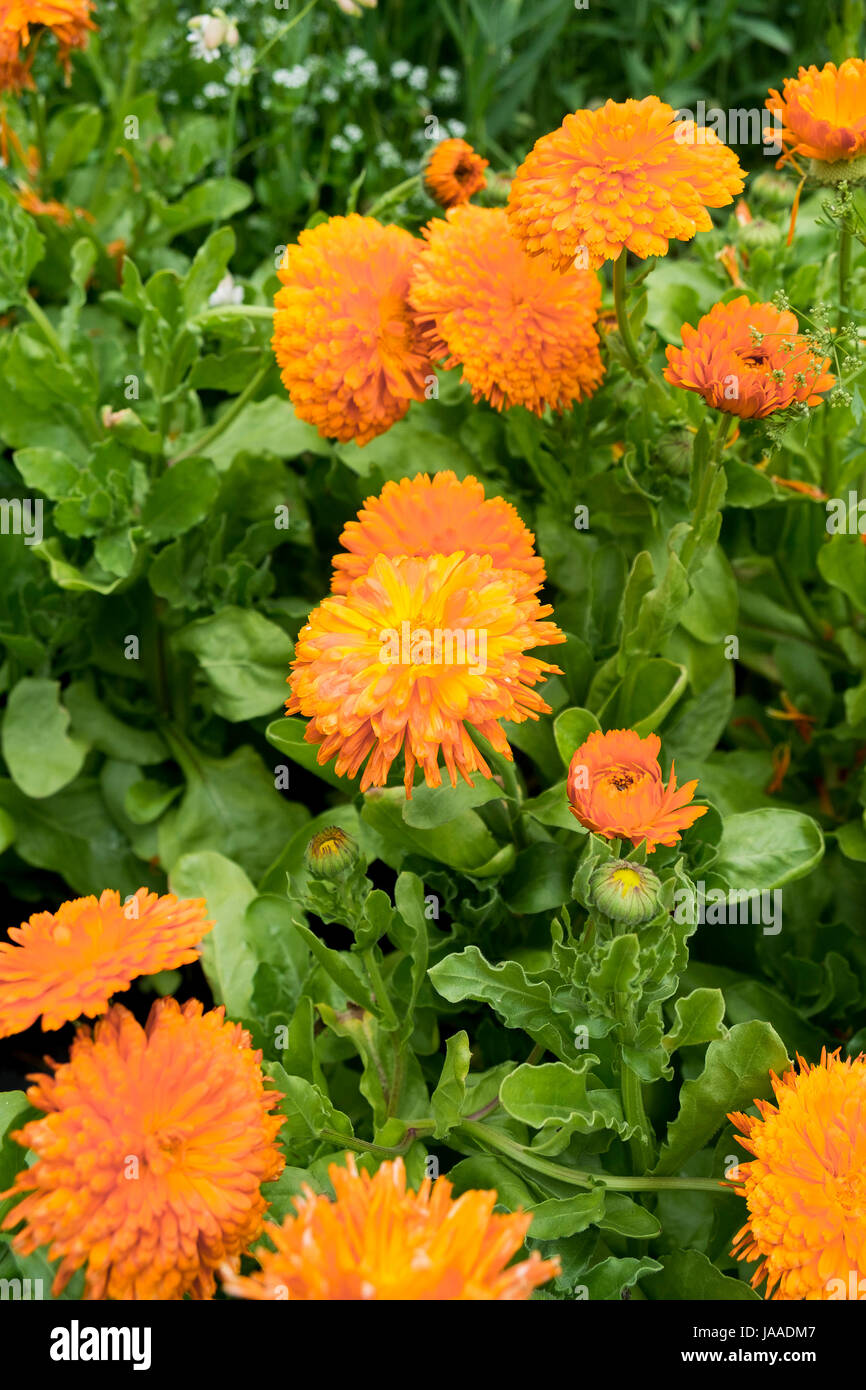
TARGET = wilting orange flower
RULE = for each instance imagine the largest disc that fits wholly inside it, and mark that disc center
(14, 74)
(438, 515)
(615, 788)
(628, 176)
(823, 112)
(748, 360)
(454, 173)
(381, 1240)
(150, 1154)
(523, 334)
(31, 202)
(68, 963)
(806, 1186)
(417, 649)
(344, 335)
(68, 20)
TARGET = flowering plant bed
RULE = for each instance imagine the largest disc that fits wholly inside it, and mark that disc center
(433, 638)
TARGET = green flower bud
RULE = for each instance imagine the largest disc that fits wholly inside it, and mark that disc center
(625, 892)
(331, 854)
(674, 452)
(772, 189)
(758, 234)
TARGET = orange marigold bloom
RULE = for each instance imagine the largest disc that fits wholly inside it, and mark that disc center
(68, 20)
(749, 360)
(823, 112)
(344, 335)
(68, 963)
(438, 515)
(805, 1189)
(615, 788)
(628, 176)
(14, 74)
(416, 649)
(150, 1155)
(454, 173)
(381, 1240)
(523, 334)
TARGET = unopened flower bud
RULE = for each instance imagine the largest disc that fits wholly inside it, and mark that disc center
(625, 892)
(331, 854)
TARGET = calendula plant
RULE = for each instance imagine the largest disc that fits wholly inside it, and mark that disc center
(433, 638)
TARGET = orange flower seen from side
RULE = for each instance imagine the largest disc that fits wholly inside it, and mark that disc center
(823, 112)
(69, 963)
(68, 20)
(150, 1154)
(454, 173)
(351, 356)
(523, 334)
(438, 515)
(418, 648)
(380, 1240)
(748, 360)
(626, 177)
(615, 788)
(805, 1188)
(14, 74)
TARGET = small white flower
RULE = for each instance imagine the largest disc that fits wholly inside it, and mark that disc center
(329, 93)
(387, 156)
(214, 91)
(456, 129)
(400, 69)
(226, 292)
(367, 73)
(353, 133)
(294, 77)
(355, 55)
(340, 144)
(418, 79)
(304, 115)
(208, 32)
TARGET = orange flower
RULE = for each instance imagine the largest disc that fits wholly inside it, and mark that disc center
(523, 334)
(14, 75)
(748, 360)
(344, 336)
(68, 20)
(381, 1240)
(823, 112)
(150, 1155)
(418, 648)
(454, 173)
(439, 515)
(31, 202)
(628, 176)
(806, 1187)
(615, 788)
(68, 963)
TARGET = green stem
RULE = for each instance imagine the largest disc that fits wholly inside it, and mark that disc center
(845, 246)
(712, 469)
(124, 100)
(619, 301)
(37, 107)
(233, 411)
(495, 1139)
(364, 1146)
(40, 318)
(394, 195)
(383, 998)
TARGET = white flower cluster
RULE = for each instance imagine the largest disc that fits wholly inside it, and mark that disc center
(208, 33)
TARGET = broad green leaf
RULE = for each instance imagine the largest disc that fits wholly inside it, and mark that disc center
(287, 735)
(541, 878)
(182, 496)
(244, 658)
(571, 728)
(699, 1018)
(520, 1002)
(41, 755)
(566, 1216)
(447, 1099)
(554, 1099)
(95, 724)
(227, 958)
(767, 848)
(688, 1275)
(307, 1112)
(463, 843)
(434, 806)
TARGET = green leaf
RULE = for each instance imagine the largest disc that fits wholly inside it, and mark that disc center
(15, 1111)
(520, 1002)
(736, 1072)
(699, 1018)
(181, 497)
(227, 958)
(688, 1275)
(628, 1218)
(21, 249)
(433, 806)
(554, 1099)
(768, 848)
(571, 728)
(540, 880)
(207, 270)
(213, 200)
(244, 657)
(447, 1099)
(41, 755)
(409, 902)
(611, 1277)
(94, 723)
(463, 843)
(307, 1112)
(568, 1216)
(288, 736)
(73, 134)
(483, 1171)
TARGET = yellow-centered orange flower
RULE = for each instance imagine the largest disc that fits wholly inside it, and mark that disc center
(438, 515)
(805, 1188)
(417, 649)
(150, 1154)
(454, 173)
(68, 20)
(351, 355)
(523, 334)
(381, 1240)
(627, 177)
(69, 963)
(748, 360)
(615, 788)
(823, 112)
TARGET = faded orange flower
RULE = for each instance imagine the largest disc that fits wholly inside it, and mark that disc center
(454, 173)
(351, 356)
(615, 788)
(68, 20)
(381, 1240)
(150, 1154)
(438, 515)
(416, 650)
(748, 360)
(823, 112)
(69, 963)
(626, 177)
(31, 202)
(523, 334)
(14, 74)
(805, 1189)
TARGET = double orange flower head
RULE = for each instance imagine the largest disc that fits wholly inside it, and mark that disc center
(616, 789)
(23, 22)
